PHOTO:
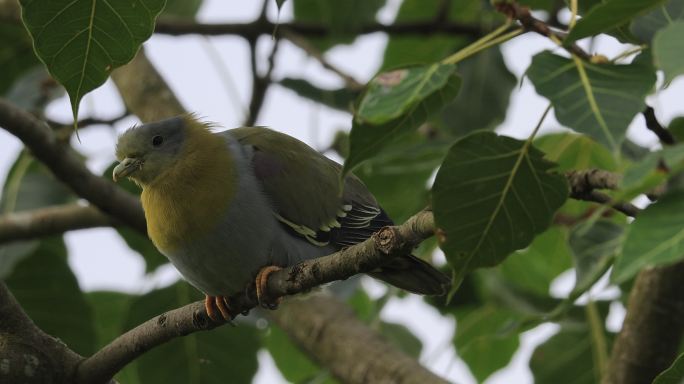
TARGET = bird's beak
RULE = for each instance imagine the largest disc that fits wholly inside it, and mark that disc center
(126, 167)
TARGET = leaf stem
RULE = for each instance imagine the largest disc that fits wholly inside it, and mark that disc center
(539, 123)
(477, 45)
(629, 52)
(598, 338)
(573, 17)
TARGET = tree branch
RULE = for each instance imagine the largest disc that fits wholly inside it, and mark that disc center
(583, 185)
(386, 244)
(260, 83)
(51, 220)
(653, 124)
(258, 28)
(353, 353)
(27, 354)
(307, 47)
(61, 160)
(653, 328)
(530, 23)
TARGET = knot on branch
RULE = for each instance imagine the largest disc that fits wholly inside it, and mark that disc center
(583, 182)
(386, 239)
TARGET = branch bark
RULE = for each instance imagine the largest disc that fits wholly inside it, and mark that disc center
(363, 257)
(653, 328)
(654, 126)
(584, 185)
(522, 13)
(352, 352)
(50, 221)
(27, 354)
(253, 30)
(68, 168)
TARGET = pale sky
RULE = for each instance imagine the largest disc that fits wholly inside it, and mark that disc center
(101, 260)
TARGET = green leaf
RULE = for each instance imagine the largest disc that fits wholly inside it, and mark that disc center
(110, 310)
(575, 152)
(344, 18)
(203, 357)
(667, 50)
(49, 293)
(482, 339)
(567, 357)
(677, 128)
(398, 177)
(16, 54)
(483, 99)
(674, 374)
(609, 15)
(648, 173)
(534, 268)
(396, 103)
(594, 247)
(185, 9)
(656, 237)
(341, 99)
(82, 41)
(492, 196)
(292, 363)
(646, 26)
(597, 99)
(135, 240)
(29, 185)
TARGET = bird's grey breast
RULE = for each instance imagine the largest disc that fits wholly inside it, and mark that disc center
(226, 259)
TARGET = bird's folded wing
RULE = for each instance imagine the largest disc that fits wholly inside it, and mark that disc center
(303, 186)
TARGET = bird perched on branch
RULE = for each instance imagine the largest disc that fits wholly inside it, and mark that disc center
(230, 207)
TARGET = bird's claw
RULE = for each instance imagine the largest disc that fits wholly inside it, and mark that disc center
(220, 303)
(261, 287)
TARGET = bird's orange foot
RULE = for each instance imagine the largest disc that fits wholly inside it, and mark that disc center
(261, 287)
(220, 303)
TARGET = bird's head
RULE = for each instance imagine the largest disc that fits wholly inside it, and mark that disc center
(148, 151)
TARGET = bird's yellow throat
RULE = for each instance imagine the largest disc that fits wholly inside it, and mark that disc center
(190, 198)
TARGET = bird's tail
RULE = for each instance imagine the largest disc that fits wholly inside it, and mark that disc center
(414, 275)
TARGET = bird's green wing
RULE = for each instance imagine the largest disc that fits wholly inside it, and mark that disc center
(303, 186)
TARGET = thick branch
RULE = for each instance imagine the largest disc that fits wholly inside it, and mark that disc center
(348, 348)
(69, 168)
(264, 27)
(27, 354)
(50, 221)
(653, 328)
(144, 91)
(364, 257)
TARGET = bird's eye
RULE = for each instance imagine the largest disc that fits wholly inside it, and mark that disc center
(157, 140)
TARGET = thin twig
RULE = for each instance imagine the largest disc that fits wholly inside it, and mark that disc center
(531, 23)
(653, 124)
(260, 83)
(89, 121)
(307, 47)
